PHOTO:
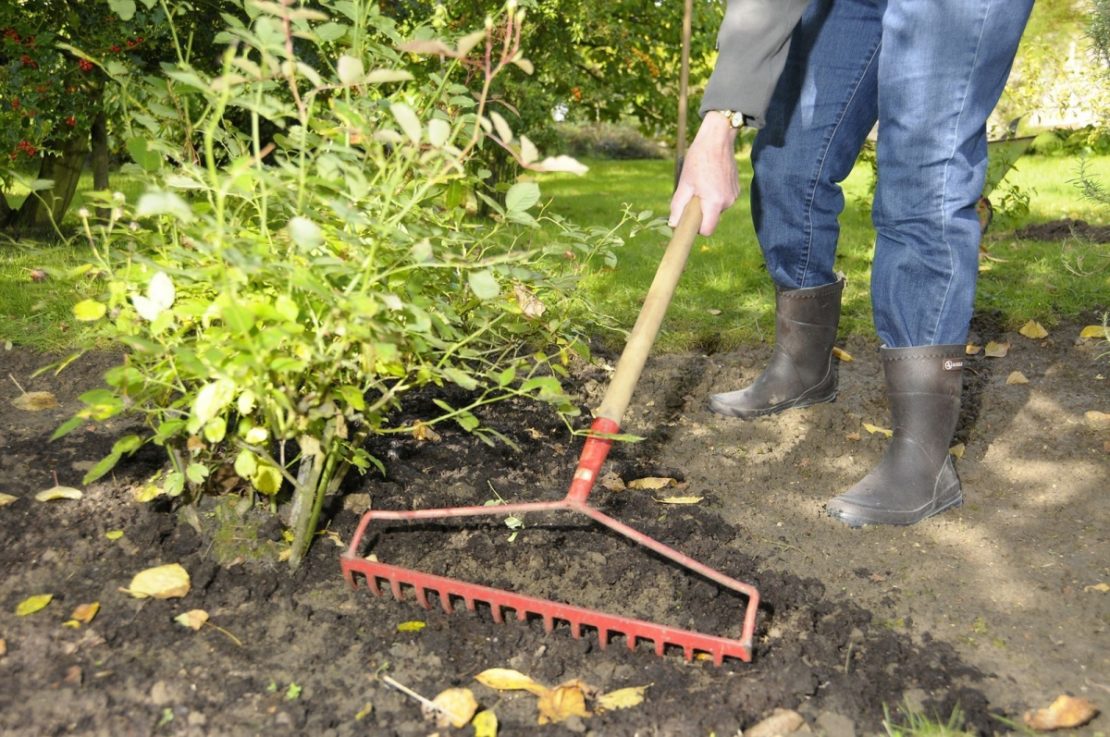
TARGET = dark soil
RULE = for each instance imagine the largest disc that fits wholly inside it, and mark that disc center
(1059, 230)
(991, 608)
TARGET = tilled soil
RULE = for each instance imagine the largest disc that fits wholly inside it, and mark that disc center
(994, 607)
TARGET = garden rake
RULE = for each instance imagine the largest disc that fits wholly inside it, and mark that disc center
(605, 425)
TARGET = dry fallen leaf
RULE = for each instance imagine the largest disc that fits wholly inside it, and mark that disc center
(485, 724)
(622, 698)
(506, 679)
(1033, 330)
(170, 581)
(1097, 420)
(1016, 377)
(35, 401)
(414, 626)
(194, 619)
(425, 432)
(529, 304)
(611, 481)
(1103, 588)
(780, 722)
(713, 311)
(58, 492)
(33, 604)
(651, 483)
(855, 436)
(563, 702)
(957, 450)
(876, 429)
(83, 614)
(3, 647)
(842, 354)
(6, 499)
(1092, 331)
(679, 499)
(996, 350)
(113, 535)
(972, 349)
(457, 707)
(1065, 712)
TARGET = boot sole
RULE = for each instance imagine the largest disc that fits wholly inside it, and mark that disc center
(749, 414)
(898, 519)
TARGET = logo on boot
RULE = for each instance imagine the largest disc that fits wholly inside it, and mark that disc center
(953, 364)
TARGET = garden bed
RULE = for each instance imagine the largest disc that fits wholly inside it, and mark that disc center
(994, 607)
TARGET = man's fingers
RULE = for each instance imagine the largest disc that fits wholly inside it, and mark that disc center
(710, 216)
(682, 195)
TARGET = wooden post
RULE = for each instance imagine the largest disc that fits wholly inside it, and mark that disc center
(683, 87)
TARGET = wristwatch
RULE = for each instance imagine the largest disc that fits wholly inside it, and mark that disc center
(735, 118)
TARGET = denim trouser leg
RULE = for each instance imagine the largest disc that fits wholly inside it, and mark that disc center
(930, 72)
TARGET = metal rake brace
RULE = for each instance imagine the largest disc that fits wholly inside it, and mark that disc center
(607, 423)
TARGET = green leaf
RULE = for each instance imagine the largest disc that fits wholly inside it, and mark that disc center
(163, 203)
(238, 318)
(330, 31)
(408, 121)
(522, 196)
(460, 377)
(196, 473)
(103, 466)
(266, 479)
(127, 444)
(467, 421)
(246, 464)
(67, 427)
(215, 429)
(88, 310)
(506, 377)
(211, 399)
(141, 154)
(125, 9)
(483, 284)
(545, 385)
(353, 396)
(350, 70)
(174, 484)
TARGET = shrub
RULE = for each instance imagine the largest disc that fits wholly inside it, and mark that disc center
(279, 298)
(607, 141)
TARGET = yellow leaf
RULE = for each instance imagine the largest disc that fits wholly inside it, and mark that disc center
(364, 712)
(1016, 377)
(147, 493)
(485, 724)
(1103, 588)
(32, 604)
(876, 429)
(996, 350)
(1063, 713)
(622, 698)
(1096, 419)
(842, 354)
(457, 707)
(170, 581)
(3, 647)
(414, 626)
(563, 702)
(6, 499)
(972, 349)
(1033, 330)
(1092, 331)
(421, 431)
(651, 483)
(194, 619)
(506, 679)
(957, 450)
(780, 722)
(58, 492)
(35, 401)
(113, 535)
(679, 499)
(84, 613)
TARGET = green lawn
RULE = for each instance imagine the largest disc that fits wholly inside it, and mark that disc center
(725, 298)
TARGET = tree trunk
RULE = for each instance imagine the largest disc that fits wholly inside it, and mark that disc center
(99, 158)
(44, 209)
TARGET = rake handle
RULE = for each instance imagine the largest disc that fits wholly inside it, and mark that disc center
(642, 337)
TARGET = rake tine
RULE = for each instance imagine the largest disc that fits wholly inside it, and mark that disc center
(603, 637)
(422, 597)
(395, 587)
(445, 600)
(575, 629)
(660, 645)
(495, 610)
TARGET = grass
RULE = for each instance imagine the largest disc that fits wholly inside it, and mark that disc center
(725, 298)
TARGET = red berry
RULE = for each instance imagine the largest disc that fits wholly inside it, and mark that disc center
(115, 49)
(85, 65)
(71, 121)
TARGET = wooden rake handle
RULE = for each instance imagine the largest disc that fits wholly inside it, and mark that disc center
(640, 340)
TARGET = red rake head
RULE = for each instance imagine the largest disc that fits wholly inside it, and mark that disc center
(449, 591)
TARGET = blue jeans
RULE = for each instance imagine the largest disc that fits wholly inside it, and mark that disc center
(929, 72)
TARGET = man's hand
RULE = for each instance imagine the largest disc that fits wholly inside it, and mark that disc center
(709, 173)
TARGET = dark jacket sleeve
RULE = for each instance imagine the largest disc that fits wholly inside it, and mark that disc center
(752, 46)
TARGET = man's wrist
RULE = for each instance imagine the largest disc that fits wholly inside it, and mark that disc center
(735, 118)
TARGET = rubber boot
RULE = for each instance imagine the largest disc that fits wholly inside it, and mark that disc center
(915, 478)
(801, 371)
